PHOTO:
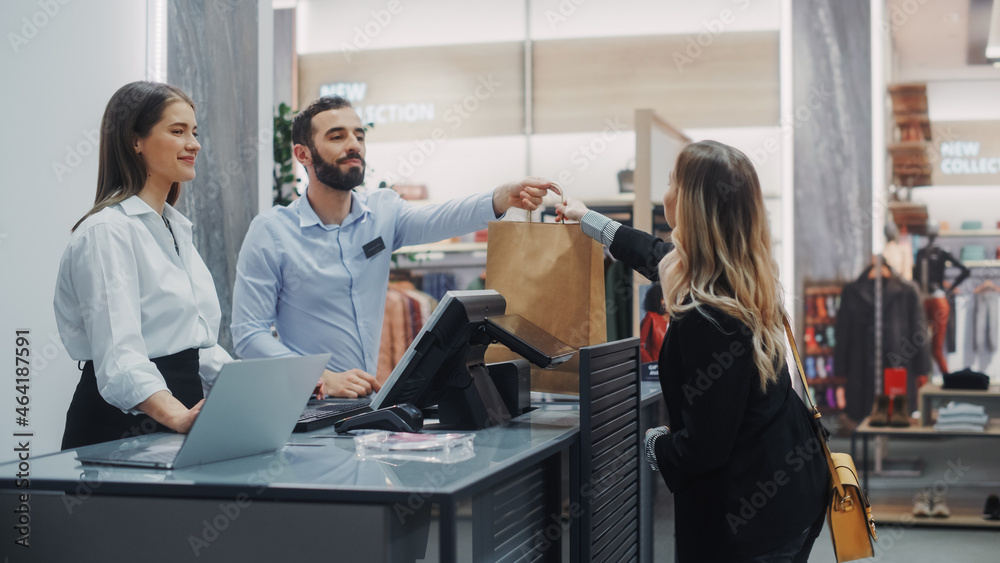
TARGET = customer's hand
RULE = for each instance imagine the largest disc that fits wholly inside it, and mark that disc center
(526, 194)
(350, 384)
(571, 210)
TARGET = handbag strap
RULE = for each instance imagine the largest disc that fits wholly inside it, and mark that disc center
(818, 427)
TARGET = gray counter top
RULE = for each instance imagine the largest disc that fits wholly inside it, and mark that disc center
(320, 467)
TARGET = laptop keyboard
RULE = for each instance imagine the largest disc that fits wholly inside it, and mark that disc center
(314, 418)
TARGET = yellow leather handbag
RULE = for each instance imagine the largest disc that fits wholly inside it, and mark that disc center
(849, 514)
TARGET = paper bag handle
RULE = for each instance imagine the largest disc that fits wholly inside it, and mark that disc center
(562, 194)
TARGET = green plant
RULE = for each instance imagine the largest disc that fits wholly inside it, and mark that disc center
(284, 173)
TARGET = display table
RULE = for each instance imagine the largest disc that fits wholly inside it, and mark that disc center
(897, 508)
(930, 395)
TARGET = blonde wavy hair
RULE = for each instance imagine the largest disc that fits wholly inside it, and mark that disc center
(722, 255)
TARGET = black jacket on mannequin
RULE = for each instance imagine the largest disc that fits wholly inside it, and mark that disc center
(905, 342)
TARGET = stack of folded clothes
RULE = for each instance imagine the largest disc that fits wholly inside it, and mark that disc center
(973, 252)
(966, 379)
(961, 417)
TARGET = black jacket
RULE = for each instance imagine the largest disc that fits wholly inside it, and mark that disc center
(904, 338)
(747, 472)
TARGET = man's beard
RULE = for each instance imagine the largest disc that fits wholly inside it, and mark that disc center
(331, 175)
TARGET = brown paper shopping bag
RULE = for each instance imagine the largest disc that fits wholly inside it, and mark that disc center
(553, 275)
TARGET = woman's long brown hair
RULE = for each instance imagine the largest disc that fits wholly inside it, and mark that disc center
(131, 114)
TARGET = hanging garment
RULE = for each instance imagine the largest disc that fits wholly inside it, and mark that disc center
(984, 321)
(651, 334)
(394, 334)
(899, 256)
(904, 338)
(617, 288)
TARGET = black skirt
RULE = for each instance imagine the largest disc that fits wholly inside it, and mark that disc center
(92, 420)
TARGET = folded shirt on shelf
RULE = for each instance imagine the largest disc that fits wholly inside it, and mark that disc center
(973, 252)
(956, 408)
(979, 419)
(974, 428)
(961, 417)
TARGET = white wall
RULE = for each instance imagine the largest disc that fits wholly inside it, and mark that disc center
(333, 25)
(324, 26)
(449, 167)
(464, 164)
(55, 89)
(563, 19)
(963, 100)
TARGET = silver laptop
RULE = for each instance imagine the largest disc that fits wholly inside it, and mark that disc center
(251, 409)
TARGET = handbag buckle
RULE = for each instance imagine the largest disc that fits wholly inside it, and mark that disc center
(846, 504)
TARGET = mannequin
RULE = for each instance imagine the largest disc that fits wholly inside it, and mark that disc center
(928, 273)
(898, 255)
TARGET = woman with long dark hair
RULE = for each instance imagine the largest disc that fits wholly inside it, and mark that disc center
(134, 300)
(747, 473)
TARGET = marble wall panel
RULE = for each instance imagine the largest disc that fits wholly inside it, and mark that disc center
(212, 55)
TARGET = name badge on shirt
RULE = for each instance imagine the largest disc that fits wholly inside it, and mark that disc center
(374, 247)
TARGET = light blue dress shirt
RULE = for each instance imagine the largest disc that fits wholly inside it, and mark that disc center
(315, 283)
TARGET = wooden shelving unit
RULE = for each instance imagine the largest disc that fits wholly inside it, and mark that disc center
(896, 505)
(820, 321)
(899, 510)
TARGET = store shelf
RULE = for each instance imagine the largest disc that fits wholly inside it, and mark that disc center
(982, 264)
(917, 431)
(821, 320)
(983, 233)
(899, 511)
(819, 351)
(443, 247)
(611, 201)
(823, 381)
(932, 392)
(824, 290)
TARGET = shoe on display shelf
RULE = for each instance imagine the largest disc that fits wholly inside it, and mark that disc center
(939, 507)
(880, 412)
(811, 367)
(922, 504)
(821, 367)
(900, 414)
(992, 509)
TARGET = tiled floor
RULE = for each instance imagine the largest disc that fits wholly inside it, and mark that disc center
(906, 543)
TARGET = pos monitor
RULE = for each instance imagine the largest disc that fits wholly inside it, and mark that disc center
(444, 364)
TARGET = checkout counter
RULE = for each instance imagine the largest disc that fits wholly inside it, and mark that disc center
(509, 501)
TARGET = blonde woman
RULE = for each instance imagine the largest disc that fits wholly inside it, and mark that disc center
(740, 456)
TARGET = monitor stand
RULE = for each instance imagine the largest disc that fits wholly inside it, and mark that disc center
(472, 401)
